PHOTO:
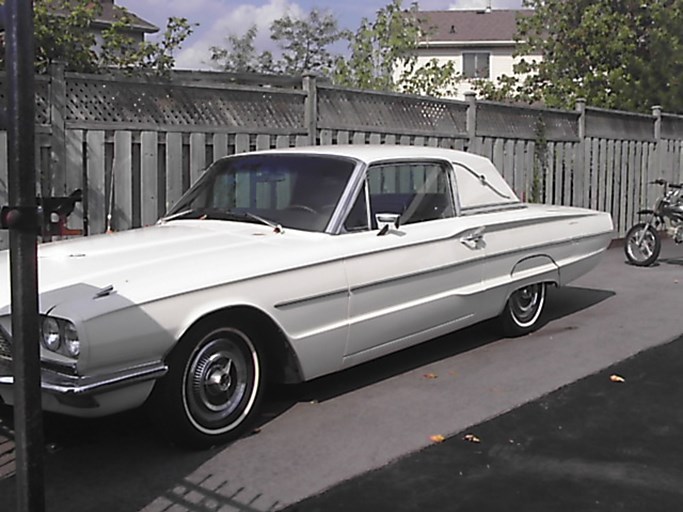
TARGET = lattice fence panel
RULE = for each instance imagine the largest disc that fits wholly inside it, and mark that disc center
(344, 109)
(672, 127)
(497, 120)
(612, 124)
(135, 103)
(42, 84)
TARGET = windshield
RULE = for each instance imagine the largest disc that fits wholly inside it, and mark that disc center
(295, 191)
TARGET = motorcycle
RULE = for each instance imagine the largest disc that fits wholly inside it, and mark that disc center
(643, 241)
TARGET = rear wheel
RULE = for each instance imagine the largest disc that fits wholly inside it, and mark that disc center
(214, 386)
(523, 310)
(642, 245)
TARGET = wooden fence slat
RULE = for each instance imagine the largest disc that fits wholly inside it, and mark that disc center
(302, 140)
(325, 137)
(548, 189)
(518, 173)
(342, 137)
(631, 182)
(174, 168)
(499, 154)
(530, 170)
(149, 178)
(618, 186)
(390, 139)
(282, 141)
(609, 178)
(509, 162)
(404, 140)
(568, 174)
(602, 174)
(96, 198)
(242, 144)
(375, 138)
(559, 173)
(74, 174)
(220, 145)
(123, 180)
(623, 214)
(197, 156)
(262, 141)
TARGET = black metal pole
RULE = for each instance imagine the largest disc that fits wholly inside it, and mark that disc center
(28, 420)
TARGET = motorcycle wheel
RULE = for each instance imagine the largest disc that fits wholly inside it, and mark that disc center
(645, 253)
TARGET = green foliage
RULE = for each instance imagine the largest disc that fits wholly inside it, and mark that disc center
(65, 36)
(64, 33)
(304, 44)
(618, 54)
(383, 56)
(240, 55)
(120, 51)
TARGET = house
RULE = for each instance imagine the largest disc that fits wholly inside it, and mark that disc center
(111, 13)
(480, 43)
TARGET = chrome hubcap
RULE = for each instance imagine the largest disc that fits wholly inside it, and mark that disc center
(220, 380)
(644, 249)
(525, 302)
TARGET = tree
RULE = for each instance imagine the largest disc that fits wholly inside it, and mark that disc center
(63, 32)
(383, 56)
(622, 54)
(304, 44)
(240, 55)
(120, 51)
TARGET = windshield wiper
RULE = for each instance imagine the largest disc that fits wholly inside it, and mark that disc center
(218, 214)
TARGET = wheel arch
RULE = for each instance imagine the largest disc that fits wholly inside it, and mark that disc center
(284, 366)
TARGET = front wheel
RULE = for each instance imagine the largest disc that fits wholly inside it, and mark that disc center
(642, 245)
(523, 310)
(212, 391)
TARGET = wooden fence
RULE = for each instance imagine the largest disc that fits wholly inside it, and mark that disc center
(134, 146)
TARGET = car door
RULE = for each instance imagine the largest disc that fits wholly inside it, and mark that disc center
(411, 282)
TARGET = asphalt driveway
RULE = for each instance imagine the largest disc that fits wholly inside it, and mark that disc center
(366, 422)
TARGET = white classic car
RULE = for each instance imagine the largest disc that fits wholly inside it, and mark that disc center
(286, 265)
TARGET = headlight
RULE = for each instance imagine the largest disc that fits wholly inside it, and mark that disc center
(51, 336)
(72, 344)
(60, 336)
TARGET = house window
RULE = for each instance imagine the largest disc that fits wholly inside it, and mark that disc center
(476, 65)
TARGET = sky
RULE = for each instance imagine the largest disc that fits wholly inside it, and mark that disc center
(219, 18)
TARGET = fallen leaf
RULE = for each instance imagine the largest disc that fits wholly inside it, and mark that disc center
(472, 438)
(430, 376)
(438, 438)
(616, 378)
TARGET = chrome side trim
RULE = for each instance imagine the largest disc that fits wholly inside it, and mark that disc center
(310, 298)
(62, 384)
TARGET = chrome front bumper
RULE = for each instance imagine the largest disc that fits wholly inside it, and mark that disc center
(68, 387)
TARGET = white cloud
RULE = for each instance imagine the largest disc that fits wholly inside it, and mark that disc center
(235, 21)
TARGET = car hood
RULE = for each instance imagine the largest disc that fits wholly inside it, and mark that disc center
(162, 260)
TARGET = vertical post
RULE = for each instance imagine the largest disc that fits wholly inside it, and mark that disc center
(471, 99)
(579, 171)
(659, 147)
(56, 185)
(311, 109)
(28, 421)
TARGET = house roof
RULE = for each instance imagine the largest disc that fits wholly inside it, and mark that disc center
(460, 26)
(112, 13)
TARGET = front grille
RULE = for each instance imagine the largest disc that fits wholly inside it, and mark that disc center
(5, 344)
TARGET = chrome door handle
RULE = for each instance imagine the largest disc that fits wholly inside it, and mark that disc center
(473, 237)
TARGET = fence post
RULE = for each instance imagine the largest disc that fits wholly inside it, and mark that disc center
(56, 182)
(311, 108)
(471, 99)
(580, 169)
(657, 129)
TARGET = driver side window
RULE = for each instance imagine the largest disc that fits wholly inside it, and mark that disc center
(418, 192)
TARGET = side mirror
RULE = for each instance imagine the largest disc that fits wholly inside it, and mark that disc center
(386, 222)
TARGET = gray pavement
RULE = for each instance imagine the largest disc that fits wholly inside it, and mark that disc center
(321, 433)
